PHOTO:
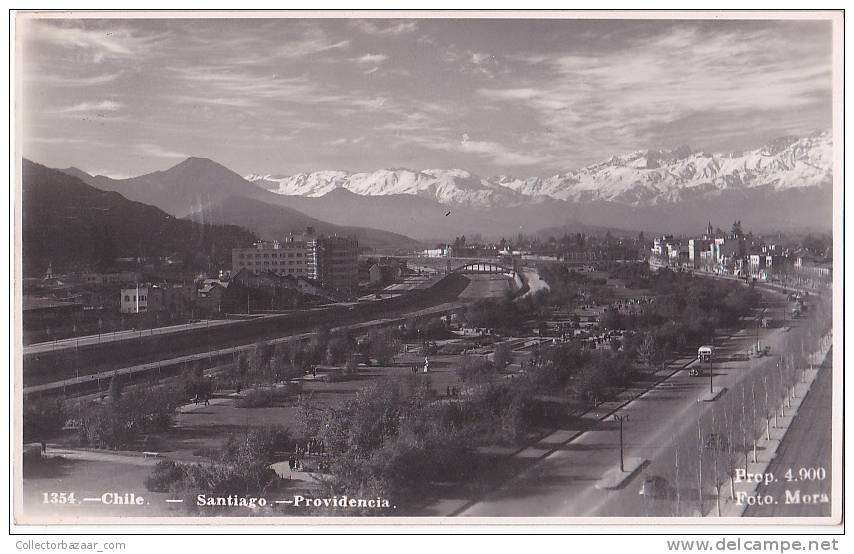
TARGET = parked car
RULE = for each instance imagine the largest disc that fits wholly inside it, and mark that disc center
(695, 371)
(655, 486)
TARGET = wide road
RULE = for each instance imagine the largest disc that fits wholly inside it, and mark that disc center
(117, 336)
(669, 427)
(807, 444)
(59, 386)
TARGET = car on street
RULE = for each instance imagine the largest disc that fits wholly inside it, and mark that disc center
(695, 372)
(655, 486)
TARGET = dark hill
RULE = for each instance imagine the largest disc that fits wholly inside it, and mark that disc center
(76, 226)
(275, 222)
(180, 190)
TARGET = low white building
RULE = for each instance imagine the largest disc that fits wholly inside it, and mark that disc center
(135, 299)
(443, 252)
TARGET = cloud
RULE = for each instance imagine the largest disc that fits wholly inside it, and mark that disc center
(546, 94)
(72, 81)
(495, 152)
(371, 59)
(313, 41)
(346, 141)
(110, 173)
(150, 149)
(101, 41)
(374, 27)
(55, 140)
(374, 60)
(472, 62)
(621, 99)
(86, 107)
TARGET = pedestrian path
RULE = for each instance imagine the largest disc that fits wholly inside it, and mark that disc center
(112, 456)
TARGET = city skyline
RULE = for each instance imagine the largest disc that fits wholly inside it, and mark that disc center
(124, 97)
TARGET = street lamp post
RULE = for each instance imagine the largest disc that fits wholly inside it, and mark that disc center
(711, 368)
(621, 419)
(711, 377)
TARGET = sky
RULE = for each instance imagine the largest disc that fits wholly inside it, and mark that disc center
(123, 97)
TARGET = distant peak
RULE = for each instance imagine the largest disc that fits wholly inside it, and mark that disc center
(205, 165)
(194, 160)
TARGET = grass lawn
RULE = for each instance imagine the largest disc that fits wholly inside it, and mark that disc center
(88, 479)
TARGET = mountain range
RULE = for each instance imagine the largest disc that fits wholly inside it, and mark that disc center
(635, 189)
(641, 178)
(785, 184)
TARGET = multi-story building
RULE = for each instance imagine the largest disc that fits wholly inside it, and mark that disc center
(333, 261)
(695, 246)
(296, 256)
(338, 265)
(659, 245)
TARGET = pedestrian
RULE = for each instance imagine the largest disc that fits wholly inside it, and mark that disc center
(448, 391)
(44, 447)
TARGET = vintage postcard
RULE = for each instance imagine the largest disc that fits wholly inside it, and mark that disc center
(428, 267)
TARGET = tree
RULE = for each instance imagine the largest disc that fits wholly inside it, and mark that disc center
(259, 361)
(243, 365)
(42, 418)
(502, 356)
(118, 424)
(475, 369)
(384, 345)
(647, 350)
(115, 389)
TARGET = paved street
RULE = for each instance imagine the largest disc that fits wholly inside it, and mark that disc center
(662, 428)
(119, 336)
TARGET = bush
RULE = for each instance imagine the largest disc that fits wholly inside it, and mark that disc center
(258, 445)
(164, 476)
(255, 398)
(475, 369)
(502, 356)
(263, 397)
(42, 419)
(241, 468)
(501, 314)
(384, 345)
(116, 424)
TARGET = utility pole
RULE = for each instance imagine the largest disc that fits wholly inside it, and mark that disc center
(711, 368)
(711, 376)
(621, 418)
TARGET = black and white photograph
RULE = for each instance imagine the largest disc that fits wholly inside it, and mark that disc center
(468, 268)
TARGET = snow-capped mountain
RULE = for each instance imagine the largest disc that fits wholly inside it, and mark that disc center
(642, 178)
(452, 186)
